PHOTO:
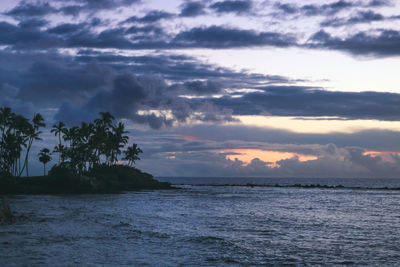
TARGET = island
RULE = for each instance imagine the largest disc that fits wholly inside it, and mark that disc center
(94, 157)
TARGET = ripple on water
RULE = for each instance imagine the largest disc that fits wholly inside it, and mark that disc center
(206, 226)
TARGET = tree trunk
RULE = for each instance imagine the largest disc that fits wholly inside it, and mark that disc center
(59, 156)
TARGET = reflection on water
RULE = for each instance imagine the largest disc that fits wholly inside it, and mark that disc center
(206, 226)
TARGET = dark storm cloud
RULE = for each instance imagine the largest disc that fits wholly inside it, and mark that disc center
(385, 43)
(105, 4)
(66, 28)
(84, 86)
(137, 37)
(299, 101)
(47, 79)
(232, 6)
(148, 30)
(72, 10)
(221, 37)
(79, 6)
(326, 9)
(83, 80)
(126, 96)
(379, 3)
(203, 88)
(244, 136)
(151, 17)
(25, 10)
(314, 10)
(192, 9)
(111, 38)
(361, 17)
(131, 94)
(26, 38)
(181, 68)
(48, 82)
(32, 23)
(287, 8)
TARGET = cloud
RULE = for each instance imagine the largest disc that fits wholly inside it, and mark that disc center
(351, 163)
(79, 6)
(135, 38)
(200, 87)
(384, 43)
(66, 28)
(245, 136)
(151, 17)
(141, 99)
(228, 6)
(26, 38)
(379, 3)
(27, 10)
(221, 37)
(192, 9)
(308, 101)
(32, 24)
(202, 154)
(328, 9)
(287, 8)
(361, 17)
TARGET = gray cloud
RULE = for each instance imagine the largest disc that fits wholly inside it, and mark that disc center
(26, 38)
(328, 9)
(150, 17)
(385, 43)
(25, 10)
(220, 37)
(192, 9)
(212, 164)
(235, 6)
(66, 28)
(79, 6)
(32, 23)
(308, 101)
(361, 17)
(239, 136)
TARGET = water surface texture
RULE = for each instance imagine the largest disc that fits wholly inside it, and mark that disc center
(206, 226)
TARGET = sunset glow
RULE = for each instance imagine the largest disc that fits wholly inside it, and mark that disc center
(270, 157)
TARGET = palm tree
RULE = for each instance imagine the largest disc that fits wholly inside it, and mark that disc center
(117, 140)
(58, 129)
(132, 154)
(44, 157)
(106, 119)
(33, 134)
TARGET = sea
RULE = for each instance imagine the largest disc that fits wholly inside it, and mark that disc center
(211, 222)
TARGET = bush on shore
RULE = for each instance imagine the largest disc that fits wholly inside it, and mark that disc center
(64, 180)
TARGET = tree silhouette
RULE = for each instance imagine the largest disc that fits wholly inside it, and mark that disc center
(33, 134)
(17, 134)
(44, 157)
(80, 148)
(58, 129)
(132, 154)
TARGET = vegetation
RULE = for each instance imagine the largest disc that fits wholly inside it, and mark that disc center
(16, 139)
(87, 157)
(44, 157)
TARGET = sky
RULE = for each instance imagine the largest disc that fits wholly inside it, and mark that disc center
(216, 88)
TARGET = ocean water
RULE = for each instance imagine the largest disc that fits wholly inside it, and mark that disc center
(208, 226)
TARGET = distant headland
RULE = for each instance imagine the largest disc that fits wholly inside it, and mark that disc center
(89, 157)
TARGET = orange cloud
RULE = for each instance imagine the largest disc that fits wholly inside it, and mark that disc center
(189, 137)
(272, 157)
(385, 155)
